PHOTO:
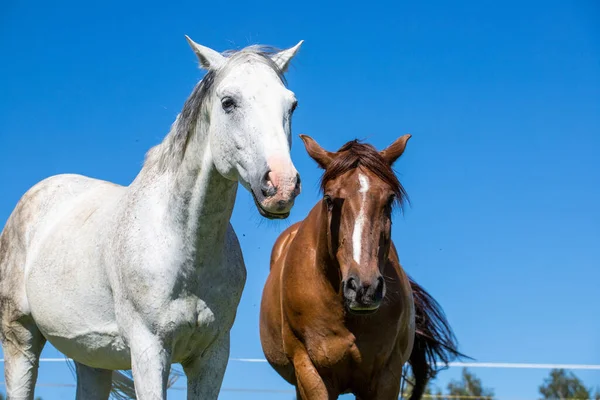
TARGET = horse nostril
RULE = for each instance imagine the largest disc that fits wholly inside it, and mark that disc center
(266, 185)
(351, 284)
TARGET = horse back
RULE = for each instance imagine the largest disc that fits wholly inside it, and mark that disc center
(32, 219)
(46, 202)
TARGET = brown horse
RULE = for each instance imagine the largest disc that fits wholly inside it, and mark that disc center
(338, 313)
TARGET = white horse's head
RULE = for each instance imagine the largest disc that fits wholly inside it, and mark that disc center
(249, 112)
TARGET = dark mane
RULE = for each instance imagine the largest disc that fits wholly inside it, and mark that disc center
(355, 154)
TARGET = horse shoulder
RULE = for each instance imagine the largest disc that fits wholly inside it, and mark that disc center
(234, 259)
(282, 243)
(313, 315)
(404, 299)
(401, 278)
(230, 275)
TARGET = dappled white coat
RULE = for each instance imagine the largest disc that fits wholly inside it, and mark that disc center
(150, 274)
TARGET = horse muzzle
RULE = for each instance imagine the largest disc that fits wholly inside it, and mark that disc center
(363, 297)
(276, 194)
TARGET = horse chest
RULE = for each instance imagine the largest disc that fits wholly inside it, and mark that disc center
(354, 352)
(335, 349)
(206, 309)
(191, 324)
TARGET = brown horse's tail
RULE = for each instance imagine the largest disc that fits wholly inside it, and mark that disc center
(434, 340)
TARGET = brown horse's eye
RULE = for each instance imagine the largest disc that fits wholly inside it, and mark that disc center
(390, 202)
(328, 202)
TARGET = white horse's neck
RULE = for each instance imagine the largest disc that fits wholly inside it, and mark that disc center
(196, 201)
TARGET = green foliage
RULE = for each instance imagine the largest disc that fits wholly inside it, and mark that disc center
(563, 384)
(469, 385)
(559, 385)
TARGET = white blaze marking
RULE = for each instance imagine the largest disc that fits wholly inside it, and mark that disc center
(360, 220)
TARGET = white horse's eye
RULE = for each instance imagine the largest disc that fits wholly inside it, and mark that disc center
(294, 106)
(228, 104)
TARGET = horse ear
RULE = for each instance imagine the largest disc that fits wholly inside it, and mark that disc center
(209, 58)
(283, 58)
(395, 150)
(317, 153)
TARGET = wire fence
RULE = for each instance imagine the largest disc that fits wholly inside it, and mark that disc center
(592, 367)
(540, 366)
(484, 365)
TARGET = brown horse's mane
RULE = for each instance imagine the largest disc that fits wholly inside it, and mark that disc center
(355, 154)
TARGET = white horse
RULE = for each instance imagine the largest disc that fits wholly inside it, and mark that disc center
(144, 276)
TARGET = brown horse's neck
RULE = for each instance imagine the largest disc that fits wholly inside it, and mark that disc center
(325, 262)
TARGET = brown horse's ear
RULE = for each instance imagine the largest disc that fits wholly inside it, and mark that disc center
(319, 154)
(395, 150)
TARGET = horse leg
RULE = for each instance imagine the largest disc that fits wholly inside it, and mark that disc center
(386, 390)
(150, 364)
(22, 343)
(93, 383)
(390, 391)
(386, 385)
(205, 372)
(309, 384)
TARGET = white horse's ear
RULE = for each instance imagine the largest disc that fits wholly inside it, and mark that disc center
(209, 59)
(283, 58)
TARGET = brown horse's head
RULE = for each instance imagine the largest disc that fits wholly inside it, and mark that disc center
(359, 192)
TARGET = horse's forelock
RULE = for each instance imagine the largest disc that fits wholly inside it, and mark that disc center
(261, 53)
(354, 154)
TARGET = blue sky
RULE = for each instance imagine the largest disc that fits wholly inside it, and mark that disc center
(502, 100)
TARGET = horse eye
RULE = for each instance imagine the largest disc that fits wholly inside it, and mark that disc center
(294, 106)
(228, 104)
(391, 200)
(328, 202)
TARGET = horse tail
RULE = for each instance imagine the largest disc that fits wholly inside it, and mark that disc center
(122, 382)
(434, 340)
(124, 389)
(122, 386)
